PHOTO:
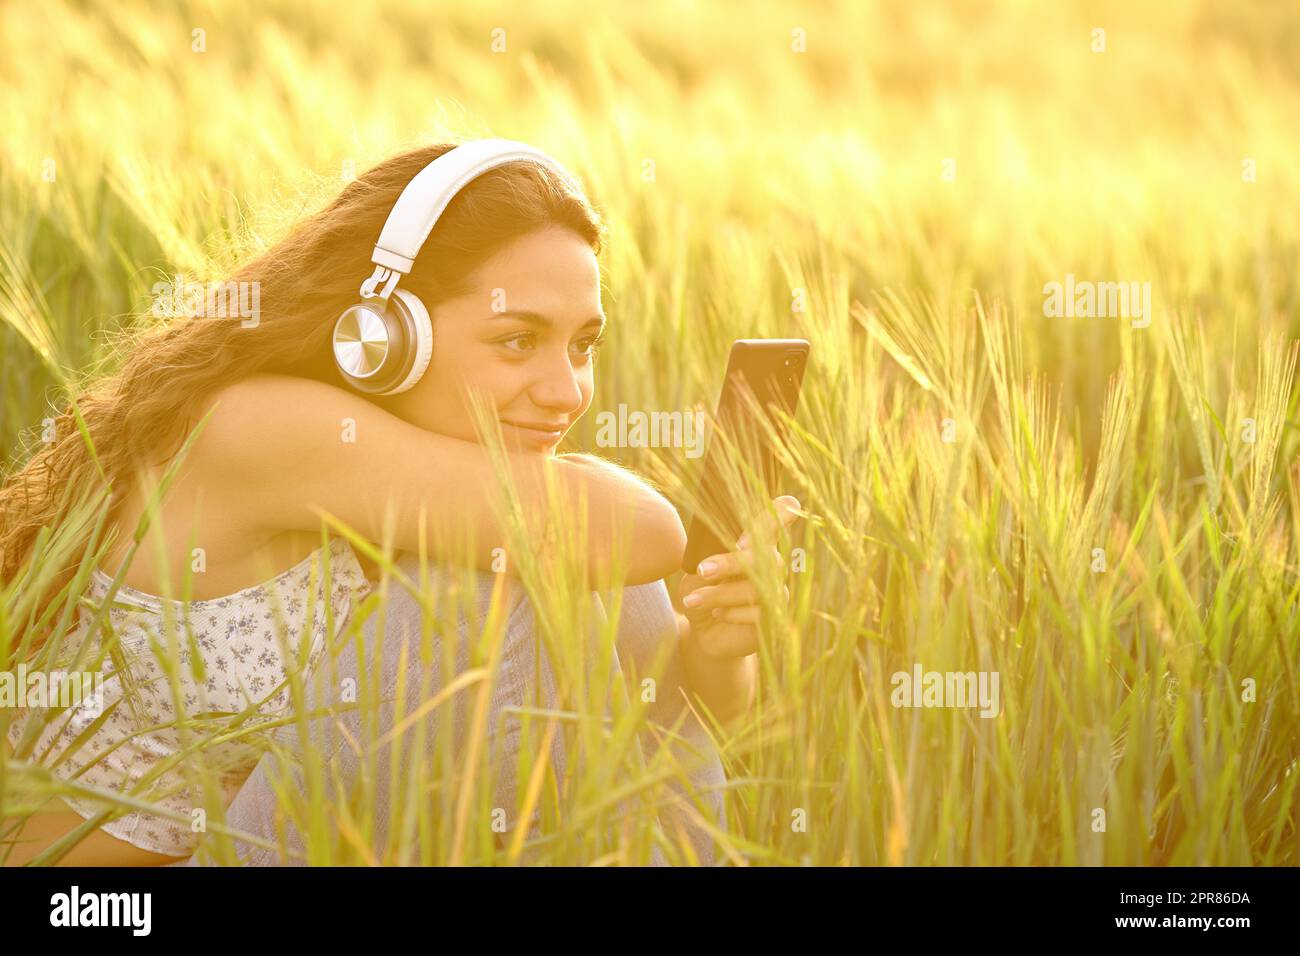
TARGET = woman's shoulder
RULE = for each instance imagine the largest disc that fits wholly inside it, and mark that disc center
(260, 432)
(256, 391)
(267, 412)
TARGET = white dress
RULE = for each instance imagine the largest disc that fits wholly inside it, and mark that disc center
(238, 680)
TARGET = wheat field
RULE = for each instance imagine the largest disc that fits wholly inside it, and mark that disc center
(1099, 509)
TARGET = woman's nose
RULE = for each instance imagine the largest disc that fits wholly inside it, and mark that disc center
(558, 386)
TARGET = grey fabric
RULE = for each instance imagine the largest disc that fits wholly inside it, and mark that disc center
(526, 677)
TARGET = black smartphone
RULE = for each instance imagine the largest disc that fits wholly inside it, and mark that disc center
(770, 372)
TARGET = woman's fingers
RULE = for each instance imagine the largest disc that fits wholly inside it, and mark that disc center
(727, 640)
(727, 594)
(787, 510)
(724, 591)
(729, 564)
(732, 564)
(748, 614)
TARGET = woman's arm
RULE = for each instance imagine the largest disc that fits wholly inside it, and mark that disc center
(718, 630)
(724, 684)
(280, 450)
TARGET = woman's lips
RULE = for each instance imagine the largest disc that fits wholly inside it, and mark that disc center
(537, 436)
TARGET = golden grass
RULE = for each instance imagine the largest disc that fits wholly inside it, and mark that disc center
(898, 194)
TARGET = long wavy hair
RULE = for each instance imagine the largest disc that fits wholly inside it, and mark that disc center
(142, 411)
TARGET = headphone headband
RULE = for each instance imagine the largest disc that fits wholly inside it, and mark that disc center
(427, 195)
(382, 344)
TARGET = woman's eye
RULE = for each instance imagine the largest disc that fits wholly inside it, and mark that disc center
(593, 345)
(516, 338)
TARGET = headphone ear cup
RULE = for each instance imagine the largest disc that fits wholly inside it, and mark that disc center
(419, 328)
(384, 351)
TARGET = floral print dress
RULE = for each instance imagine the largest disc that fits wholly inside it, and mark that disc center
(238, 681)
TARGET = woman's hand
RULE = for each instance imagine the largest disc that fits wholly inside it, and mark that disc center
(722, 606)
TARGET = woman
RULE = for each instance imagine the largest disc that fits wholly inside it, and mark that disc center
(284, 442)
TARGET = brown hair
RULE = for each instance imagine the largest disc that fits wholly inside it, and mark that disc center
(142, 412)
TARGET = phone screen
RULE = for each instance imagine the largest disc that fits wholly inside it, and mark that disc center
(770, 371)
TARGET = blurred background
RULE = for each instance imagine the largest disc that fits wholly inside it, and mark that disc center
(727, 160)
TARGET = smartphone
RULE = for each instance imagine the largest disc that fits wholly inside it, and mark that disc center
(771, 372)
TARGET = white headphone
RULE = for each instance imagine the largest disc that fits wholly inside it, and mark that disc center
(382, 345)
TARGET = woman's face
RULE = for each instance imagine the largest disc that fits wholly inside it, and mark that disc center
(522, 339)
